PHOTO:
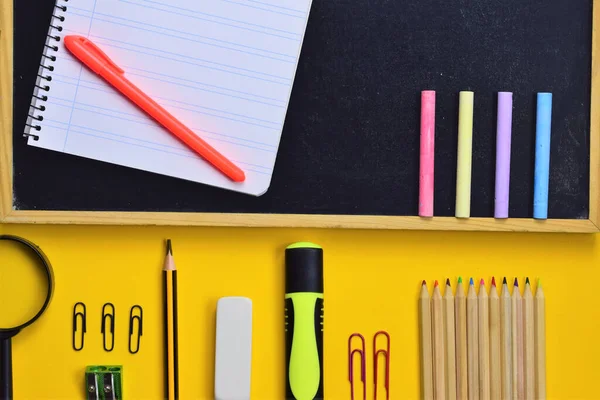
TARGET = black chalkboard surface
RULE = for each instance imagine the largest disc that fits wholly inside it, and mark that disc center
(351, 139)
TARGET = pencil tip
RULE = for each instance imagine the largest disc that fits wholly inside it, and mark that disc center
(504, 281)
(460, 280)
(482, 282)
(527, 281)
(447, 282)
(435, 284)
(493, 281)
(539, 283)
(169, 248)
(471, 281)
(424, 283)
(516, 282)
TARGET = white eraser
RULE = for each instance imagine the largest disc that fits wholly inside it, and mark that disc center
(233, 351)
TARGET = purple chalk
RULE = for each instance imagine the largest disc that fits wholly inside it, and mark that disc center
(503, 135)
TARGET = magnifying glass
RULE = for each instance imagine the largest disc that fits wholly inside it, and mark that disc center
(26, 288)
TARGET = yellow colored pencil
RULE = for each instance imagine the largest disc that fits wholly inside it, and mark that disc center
(472, 343)
(450, 342)
(495, 348)
(506, 339)
(464, 155)
(170, 322)
(460, 316)
(439, 365)
(518, 383)
(529, 343)
(483, 307)
(539, 309)
(426, 343)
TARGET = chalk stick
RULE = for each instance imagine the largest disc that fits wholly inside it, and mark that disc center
(541, 176)
(465, 148)
(503, 138)
(427, 153)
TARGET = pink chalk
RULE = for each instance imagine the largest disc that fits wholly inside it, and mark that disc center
(427, 153)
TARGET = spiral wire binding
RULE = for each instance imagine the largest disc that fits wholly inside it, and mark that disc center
(42, 84)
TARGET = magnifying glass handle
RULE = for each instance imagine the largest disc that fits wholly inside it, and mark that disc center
(6, 384)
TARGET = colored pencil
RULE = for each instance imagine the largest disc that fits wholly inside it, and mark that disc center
(529, 341)
(460, 316)
(472, 343)
(426, 343)
(539, 307)
(450, 342)
(487, 345)
(426, 168)
(170, 324)
(495, 359)
(439, 366)
(506, 341)
(518, 384)
(483, 307)
(464, 155)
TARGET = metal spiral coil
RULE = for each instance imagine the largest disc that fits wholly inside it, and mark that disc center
(42, 84)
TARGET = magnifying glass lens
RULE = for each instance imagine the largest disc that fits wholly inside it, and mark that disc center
(23, 284)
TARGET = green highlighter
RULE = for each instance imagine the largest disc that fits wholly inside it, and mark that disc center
(304, 321)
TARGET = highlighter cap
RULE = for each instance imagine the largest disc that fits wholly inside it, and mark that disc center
(303, 268)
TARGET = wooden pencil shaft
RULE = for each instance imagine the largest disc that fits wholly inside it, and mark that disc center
(529, 344)
(450, 344)
(460, 308)
(472, 345)
(518, 391)
(426, 345)
(170, 335)
(495, 347)
(540, 344)
(483, 307)
(506, 345)
(439, 365)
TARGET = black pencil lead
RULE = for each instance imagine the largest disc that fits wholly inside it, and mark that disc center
(169, 248)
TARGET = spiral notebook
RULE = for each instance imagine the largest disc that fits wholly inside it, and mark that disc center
(225, 68)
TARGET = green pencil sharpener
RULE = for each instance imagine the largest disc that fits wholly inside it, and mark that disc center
(104, 382)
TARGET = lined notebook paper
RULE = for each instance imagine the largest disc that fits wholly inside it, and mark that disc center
(225, 68)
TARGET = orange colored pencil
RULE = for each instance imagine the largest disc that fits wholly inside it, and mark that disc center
(426, 343)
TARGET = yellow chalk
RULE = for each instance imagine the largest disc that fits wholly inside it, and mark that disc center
(465, 146)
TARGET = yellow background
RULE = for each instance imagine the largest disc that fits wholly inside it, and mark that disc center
(372, 282)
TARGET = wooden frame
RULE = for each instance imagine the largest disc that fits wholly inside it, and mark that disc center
(9, 215)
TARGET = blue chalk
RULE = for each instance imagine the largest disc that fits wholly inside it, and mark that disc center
(542, 155)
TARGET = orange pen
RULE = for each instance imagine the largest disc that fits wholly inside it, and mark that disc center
(95, 59)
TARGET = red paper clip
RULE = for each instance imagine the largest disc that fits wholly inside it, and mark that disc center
(386, 354)
(363, 367)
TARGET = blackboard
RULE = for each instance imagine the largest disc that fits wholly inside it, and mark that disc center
(350, 144)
